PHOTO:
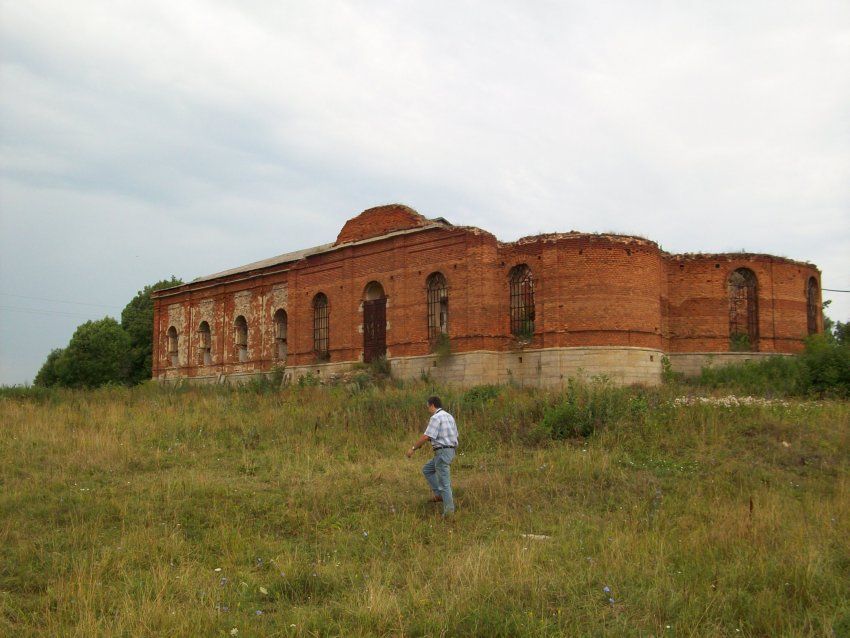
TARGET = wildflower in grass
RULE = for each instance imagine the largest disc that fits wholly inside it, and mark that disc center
(234, 632)
(606, 589)
(223, 581)
(264, 591)
(259, 612)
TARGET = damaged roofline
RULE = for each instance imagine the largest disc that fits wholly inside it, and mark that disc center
(287, 259)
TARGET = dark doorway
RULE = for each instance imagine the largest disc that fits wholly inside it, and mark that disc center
(374, 323)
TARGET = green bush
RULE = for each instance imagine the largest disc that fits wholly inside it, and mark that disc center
(480, 395)
(586, 409)
(822, 370)
(740, 342)
(827, 367)
(266, 383)
(774, 376)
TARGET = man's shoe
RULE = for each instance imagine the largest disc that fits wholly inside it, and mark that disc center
(436, 499)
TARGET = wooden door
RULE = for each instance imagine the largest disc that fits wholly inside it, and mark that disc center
(374, 329)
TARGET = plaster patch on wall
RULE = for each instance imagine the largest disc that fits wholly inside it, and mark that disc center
(206, 311)
(175, 317)
(280, 296)
(242, 304)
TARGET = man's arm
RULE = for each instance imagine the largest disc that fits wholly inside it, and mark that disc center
(422, 441)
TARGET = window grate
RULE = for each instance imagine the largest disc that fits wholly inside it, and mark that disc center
(438, 306)
(522, 301)
(812, 306)
(743, 310)
(320, 325)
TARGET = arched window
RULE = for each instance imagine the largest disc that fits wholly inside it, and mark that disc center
(204, 344)
(280, 337)
(241, 337)
(320, 326)
(743, 310)
(172, 345)
(438, 306)
(522, 302)
(812, 305)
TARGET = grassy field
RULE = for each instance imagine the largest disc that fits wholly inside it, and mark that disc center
(216, 512)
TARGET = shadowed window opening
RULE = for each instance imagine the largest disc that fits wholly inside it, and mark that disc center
(522, 302)
(812, 305)
(320, 326)
(241, 339)
(743, 311)
(204, 344)
(438, 307)
(280, 336)
(172, 346)
(374, 322)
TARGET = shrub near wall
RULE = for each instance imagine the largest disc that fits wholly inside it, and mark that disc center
(586, 408)
(822, 370)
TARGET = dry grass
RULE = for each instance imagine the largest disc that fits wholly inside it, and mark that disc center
(153, 512)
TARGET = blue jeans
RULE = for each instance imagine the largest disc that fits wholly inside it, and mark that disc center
(439, 477)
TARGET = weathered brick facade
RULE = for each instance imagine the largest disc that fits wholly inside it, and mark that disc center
(594, 304)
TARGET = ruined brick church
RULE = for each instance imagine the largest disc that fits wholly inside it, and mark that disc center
(457, 305)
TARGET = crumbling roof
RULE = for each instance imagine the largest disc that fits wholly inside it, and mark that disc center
(384, 220)
(574, 234)
(286, 258)
(403, 220)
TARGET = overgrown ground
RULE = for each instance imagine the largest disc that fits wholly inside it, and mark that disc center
(156, 512)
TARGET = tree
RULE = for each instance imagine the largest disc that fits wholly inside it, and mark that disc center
(98, 353)
(835, 331)
(48, 375)
(137, 321)
(841, 332)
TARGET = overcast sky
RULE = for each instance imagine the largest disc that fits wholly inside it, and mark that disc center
(144, 139)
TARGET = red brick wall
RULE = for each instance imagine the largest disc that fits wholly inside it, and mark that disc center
(378, 221)
(590, 290)
(698, 307)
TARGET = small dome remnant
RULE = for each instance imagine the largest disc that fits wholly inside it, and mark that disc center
(380, 220)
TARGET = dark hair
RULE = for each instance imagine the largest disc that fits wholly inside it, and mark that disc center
(435, 401)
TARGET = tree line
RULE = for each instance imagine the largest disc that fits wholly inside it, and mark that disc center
(105, 351)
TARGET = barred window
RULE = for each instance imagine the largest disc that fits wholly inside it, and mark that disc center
(522, 301)
(280, 336)
(438, 306)
(241, 337)
(320, 325)
(743, 310)
(204, 344)
(172, 345)
(812, 305)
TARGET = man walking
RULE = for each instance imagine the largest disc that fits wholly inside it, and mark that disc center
(442, 433)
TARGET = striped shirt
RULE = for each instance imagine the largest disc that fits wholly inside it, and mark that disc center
(442, 429)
